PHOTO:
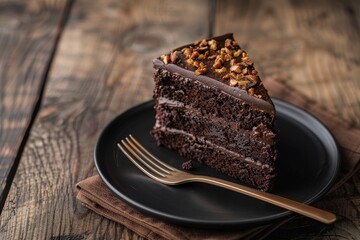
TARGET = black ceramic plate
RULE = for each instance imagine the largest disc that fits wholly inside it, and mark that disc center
(308, 164)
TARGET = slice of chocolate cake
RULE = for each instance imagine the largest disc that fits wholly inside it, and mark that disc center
(211, 107)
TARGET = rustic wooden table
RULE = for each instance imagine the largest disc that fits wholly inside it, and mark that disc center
(69, 67)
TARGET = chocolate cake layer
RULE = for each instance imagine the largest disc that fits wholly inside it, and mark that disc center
(227, 162)
(211, 101)
(257, 143)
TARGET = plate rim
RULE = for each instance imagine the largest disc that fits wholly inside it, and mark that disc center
(212, 223)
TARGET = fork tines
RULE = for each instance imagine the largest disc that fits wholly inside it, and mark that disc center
(143, 159)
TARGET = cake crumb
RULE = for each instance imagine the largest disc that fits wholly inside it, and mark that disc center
(187, 165)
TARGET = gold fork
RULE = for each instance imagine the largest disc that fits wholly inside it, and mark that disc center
(164, 173)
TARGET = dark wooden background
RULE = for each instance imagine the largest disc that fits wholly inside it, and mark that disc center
(69, 67)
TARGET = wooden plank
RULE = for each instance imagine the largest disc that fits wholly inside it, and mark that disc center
(103, 66)
(314, 45)
(28, 34)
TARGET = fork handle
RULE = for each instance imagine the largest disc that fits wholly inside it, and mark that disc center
(300, 208)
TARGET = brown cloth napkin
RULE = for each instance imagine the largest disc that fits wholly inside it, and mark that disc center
(94, 194)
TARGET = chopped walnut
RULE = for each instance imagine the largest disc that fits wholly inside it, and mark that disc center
(190, 61)
(225, 50)
(187, 52)
(173, 56)
(228, 57)
(226, 76)
(165, 58)
(233, 82)
(201, 49)
(252, 78)
(217, 64)
(196, 64)
(237, 53)
(200, 71)
(201, 57)
(228, 43)
(194, 55)
(234, 75)
(221, 70)
(244, 54)
(235, 68)
(212, 57)
(248, 62)
(243, 82)
(213, 45)
(251, 91)
(203, 43)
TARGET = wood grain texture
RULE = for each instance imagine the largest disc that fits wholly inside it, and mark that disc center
(315, 46)
(103, 66)
(28, 33)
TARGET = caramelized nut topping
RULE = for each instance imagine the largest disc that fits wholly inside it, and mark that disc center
(251, 91)
(233, 82)
(225, 50)
(196, 64)
(235, 68)
(201, 57)
(212, 57)
(244, 54)
(234, 76)
(201, 49)
(243, 82)
(237, 53)
(213, 45)
(246, 62)
(173, 56)
(194, 55)
(190, 61)
(226, 58)
(221, 70)
(217, 64)
(187, 52)
(228, 43)
(252, 78)
(226, 76)
(165, 58)
(200, 71)
(203, 43)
